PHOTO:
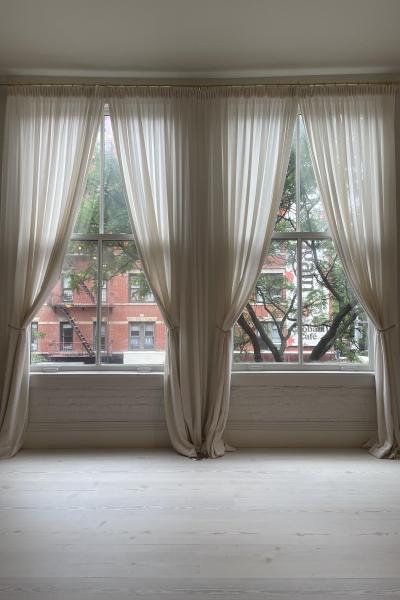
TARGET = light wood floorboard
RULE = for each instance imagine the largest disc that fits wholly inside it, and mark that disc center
(80, 525)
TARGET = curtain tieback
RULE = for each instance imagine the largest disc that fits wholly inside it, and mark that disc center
(225, 331)
(392, 326)
(11, 326)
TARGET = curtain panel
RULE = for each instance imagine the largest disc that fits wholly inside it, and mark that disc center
(351, 133)
(48, 141)
(204, 172)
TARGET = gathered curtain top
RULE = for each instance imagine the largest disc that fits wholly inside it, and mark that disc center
(203, 91)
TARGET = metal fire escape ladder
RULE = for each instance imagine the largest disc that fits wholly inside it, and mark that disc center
(88, 291)
(77, 330)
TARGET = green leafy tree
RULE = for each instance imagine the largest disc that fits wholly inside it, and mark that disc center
(119, 257)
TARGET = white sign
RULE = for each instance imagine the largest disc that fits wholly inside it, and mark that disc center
(311, 335)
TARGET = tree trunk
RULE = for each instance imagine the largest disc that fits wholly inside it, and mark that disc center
(326, 342)
(263, 334)
(253, 338)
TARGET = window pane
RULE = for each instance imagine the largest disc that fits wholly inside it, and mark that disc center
(103, 336)
(116, 216)
(65, 321)
(139, 290)
(35, 334)
(66, 337)
(267, 329)
(135, 329)
(335, 327)
(88, 216)
(286, 219)
(312, 214)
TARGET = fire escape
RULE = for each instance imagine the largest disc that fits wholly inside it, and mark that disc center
(64, 304)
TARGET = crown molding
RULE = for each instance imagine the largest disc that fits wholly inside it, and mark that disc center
(227, 76)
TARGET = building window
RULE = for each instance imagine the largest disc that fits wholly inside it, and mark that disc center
(104, 292)
(269, 330)
(141, 335)
(67, 291)
(34, 336)
(303, 310)
(270, 287)
(66, 337)
(139, 290)
(103, 335)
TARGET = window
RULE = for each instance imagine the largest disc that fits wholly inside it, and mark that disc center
(302, 312)
(269, 330)
(139, 290)
(102, 282)
(103, 336)
(34, 336)
(66, 337)
(104, 292)
(67, 291)
(141, 336)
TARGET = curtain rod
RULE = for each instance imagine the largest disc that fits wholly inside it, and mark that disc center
(203, 85)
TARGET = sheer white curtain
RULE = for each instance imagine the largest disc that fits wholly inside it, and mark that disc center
(351, 133)
(48, 140)
(204, 172)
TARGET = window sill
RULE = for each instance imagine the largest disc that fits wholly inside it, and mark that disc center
(345, 379)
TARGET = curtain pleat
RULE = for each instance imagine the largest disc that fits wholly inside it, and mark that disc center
(351, 135)
(48, 141)
(204, 173)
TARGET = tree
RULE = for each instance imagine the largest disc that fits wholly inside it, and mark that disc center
(119, 257)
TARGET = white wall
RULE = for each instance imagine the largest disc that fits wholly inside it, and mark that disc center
(267, 410)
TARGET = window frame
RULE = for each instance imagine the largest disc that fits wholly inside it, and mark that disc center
(148, 299)
(299, 236)
(67, 293)
(142, 335)
(66, 326)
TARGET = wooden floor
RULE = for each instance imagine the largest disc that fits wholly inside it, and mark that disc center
(273, 525)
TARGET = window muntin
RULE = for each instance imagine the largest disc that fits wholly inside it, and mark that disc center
(141, 335)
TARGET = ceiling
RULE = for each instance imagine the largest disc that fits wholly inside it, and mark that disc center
(128, 38)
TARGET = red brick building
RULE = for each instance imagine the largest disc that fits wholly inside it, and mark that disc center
(133, 331)
(65, 327)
